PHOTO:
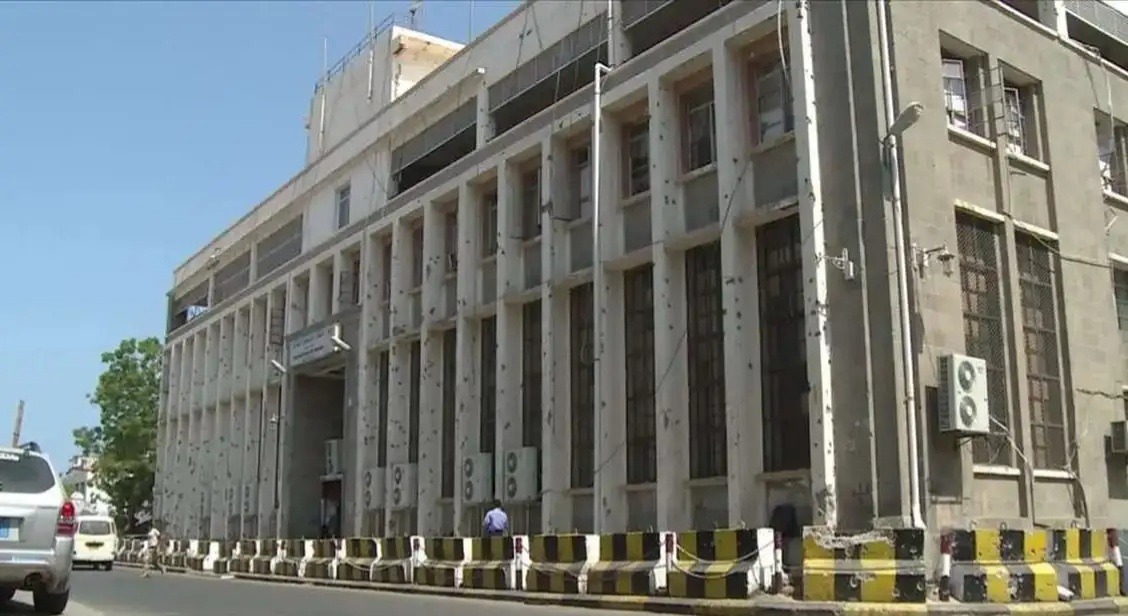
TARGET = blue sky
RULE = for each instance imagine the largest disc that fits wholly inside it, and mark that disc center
(132, 133)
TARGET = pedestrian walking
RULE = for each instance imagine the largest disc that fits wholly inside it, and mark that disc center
(153, 552)
(496, 523)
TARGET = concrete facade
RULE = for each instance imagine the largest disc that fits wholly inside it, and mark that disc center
(423, 291)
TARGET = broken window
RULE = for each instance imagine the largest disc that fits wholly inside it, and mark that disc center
(708, 429)
(583, 386)
(955, 92)
(783, 347)
(489, 224)
(488, 390)
(581, 182)
(700, 128)
(450, 403)
(529, 202)
(637, 159)
(344, 197)
(638, 338)
(775, 115)
(415, 359)
(450, 242)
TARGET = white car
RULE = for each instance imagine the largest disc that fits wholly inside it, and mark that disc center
(95, 543)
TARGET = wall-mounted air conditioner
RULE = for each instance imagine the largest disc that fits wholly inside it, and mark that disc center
(477, 478)
(404, 486)
(520, 472)
(964, 405)
(372, 489)
(332, 457)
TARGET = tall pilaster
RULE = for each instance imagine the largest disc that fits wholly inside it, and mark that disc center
(510, 281)
(467, 371)
(431, 377)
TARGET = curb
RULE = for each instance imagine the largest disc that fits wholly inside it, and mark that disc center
(760, 606)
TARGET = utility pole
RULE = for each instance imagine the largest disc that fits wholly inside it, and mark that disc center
(19, 425)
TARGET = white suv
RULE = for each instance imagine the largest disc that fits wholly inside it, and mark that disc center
(37, 527)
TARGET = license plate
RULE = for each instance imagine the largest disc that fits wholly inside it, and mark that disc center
(94, 545)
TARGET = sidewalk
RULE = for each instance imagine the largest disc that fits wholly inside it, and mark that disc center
(759, 606)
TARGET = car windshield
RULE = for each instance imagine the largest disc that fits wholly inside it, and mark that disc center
(24, 474)
(95, 527)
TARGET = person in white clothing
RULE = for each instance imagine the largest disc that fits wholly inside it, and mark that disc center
(153, 556)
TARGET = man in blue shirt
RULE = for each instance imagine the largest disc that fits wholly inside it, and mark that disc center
(496, 523)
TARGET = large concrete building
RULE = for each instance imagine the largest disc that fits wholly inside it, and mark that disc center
(413, 325)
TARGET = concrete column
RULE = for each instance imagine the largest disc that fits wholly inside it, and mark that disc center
(747, 496)
(671, 397)
(429, 519)
(401, 278)
(611, 512)
(556, 458)
(183, 420)
(169, 463)
(339, 267)
(399, 363)
(485, 125)
(467, 374)
(824, 497)
(365, 407)
(211, 290)
(1052, 15)
(509, 281)
(253, 266)
(619, 47)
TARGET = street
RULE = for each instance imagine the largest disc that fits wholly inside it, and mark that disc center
(124, 593)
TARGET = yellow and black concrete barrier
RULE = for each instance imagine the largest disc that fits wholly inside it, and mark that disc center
(630, 564)
(878, 566)
(197, 554)
(266, 554)
(358, 555)
(395, 562)
(320, 562)
(439, 561)
(495, 563)
(178, 553)
(559, 563)
(244, 552)
(721, 564)
(219, 556)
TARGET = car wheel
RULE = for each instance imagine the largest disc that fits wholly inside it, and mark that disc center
(47, 603)
(109, 566)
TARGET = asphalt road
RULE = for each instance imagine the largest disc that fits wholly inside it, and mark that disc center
(124, 593)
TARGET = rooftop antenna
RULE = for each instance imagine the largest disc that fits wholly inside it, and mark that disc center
(413, 14)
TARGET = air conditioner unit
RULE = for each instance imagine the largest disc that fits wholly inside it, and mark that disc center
(520, 474)
(477, 478)
(333, 457)
(372, 489)
(403, 486)
(964, 404)
(1119, 444)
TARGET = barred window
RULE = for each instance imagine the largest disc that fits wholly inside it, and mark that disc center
(980, 286)
(636, 172)
(638, 338)
(450, 350)
(705, 342)
(1120, 292)
(487, 346)
(382, 411)
(783, 347)
(583, 386)
(416, 358)
(531, 375)
(1037, 271)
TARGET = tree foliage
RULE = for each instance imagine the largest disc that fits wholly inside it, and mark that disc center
(124, 441)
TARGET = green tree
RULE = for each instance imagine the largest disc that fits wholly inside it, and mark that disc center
(124, 441)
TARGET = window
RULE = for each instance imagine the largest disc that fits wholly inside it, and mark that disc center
(775, 113)
(415, 359)
(344, 195)
(386, 274)
(450, 350)
(25, 474)
(530, 199)
(955, 93)
(488, 386)
(1120, 292)
(638, 337)
(1037, 267)
(382, 411)
(980, 286)
(96, 528)
(450, 242)
(355, 280)
(531, 374)
(700, 132)
(489, 225)
(637, 173)
(708, 442)
(783, 347)
(417, 255)
(1111, 166)
(583, 386)
(581, 182)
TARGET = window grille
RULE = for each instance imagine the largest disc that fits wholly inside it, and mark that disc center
(488, 386)
(416, 359)
(638, 337)
(708, 430)
(450, 350)
(583, 386)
